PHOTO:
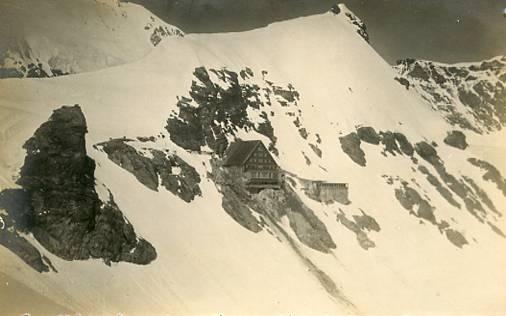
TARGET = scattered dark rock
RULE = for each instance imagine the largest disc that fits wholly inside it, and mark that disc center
(456, 139)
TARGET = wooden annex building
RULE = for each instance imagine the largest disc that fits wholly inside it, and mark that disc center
(251, 162)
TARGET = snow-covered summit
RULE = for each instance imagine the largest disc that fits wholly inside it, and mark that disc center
(51, 38)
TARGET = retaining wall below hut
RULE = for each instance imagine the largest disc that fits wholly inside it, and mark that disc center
(326, 192)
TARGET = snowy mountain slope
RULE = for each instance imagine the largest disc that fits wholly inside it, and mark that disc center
(418, 236)
(51, 38)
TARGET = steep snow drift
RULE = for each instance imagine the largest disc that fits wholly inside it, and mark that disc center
(57, 37)
(422, 231)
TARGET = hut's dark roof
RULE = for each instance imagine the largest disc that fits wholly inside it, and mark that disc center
(239, 152)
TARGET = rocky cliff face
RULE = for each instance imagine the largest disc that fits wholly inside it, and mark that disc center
(58, 204)
(470, 96)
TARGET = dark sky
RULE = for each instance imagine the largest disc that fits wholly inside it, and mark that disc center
(440, 30)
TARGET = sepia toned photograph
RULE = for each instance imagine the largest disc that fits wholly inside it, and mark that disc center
(252, 158)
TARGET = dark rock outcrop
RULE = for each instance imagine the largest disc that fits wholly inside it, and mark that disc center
(491, 173)
(469, 96)
(471, 194)
(360, 225)
(218, 105)
(169, 170)
(350, 145)
(271, 205)
(409, 198)
(421, 207)
(443, 191)
(427, 152)
(403, 81)
(60, 206)
(359, 25)
(389, 144)
(394, 143)
(335, 9)
(456, 139)
(368, 134)
(404, 144)
(456, 237)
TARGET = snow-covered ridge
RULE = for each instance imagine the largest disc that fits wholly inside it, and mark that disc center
(354, 20)
(65, 37)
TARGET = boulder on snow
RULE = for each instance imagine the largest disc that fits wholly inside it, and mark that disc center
(456, 139)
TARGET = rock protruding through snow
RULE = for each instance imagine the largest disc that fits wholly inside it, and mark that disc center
(60, 206)
(155, 167)
(456, 139)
